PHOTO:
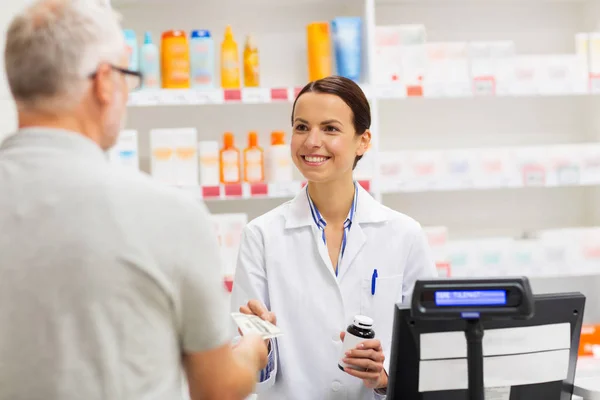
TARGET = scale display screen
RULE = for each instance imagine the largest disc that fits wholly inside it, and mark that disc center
(472, 298)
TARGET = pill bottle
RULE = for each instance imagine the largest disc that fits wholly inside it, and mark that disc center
(359, 331)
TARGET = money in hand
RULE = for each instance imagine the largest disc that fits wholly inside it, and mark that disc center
(252, 324)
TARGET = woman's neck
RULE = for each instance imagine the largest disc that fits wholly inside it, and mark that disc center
(333, 199)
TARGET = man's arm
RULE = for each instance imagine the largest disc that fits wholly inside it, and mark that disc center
(250, 283)
(215, 369)
(225, 373)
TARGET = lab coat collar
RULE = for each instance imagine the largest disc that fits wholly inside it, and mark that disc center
(368, 210)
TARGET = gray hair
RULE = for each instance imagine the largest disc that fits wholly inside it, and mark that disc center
(52, 48)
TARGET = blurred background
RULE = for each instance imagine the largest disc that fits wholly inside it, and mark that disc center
(486, 121)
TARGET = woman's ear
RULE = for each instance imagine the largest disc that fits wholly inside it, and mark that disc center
(364, 143)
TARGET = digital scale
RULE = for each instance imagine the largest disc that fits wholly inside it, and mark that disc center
(473, 300)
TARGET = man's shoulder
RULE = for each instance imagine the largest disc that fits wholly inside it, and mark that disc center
(139, 190)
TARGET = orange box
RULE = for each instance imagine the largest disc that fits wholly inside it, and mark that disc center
(590, 338)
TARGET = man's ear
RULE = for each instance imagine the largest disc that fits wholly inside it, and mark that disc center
(365, 143)
(103, 84)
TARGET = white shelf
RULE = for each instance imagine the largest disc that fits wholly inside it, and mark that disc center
(194, 97)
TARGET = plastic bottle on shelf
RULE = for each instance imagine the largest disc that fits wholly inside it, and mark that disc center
(132, 49)
(251, 63)
(230, 61)
(254, 166)
(319, 50)
(229, 158)
(278, 160)
(202, 59)
(150, 63)
(175, 60)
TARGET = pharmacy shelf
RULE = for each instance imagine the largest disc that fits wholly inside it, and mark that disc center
(190, 97)
(249, 191)
(536, 181)
(195, 97)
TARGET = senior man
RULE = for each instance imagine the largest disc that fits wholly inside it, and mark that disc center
(110, 284)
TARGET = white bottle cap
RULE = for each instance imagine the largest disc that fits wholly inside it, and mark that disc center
(362, 321)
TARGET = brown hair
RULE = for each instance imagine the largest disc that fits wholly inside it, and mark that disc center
(350, 93)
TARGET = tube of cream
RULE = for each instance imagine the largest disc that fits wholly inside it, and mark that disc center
(347, 37)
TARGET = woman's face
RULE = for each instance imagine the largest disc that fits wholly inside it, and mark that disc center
(324, 141)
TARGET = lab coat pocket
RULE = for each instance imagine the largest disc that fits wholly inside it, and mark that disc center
(380, 306)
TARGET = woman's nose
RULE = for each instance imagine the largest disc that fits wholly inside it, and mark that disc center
(313, 139)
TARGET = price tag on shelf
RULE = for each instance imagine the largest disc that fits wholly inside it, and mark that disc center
(594, 83)
(484, 86)
(568, 175)
(414, 91)
(284, 189)
(233, 190)
(391, 91)
(175, 97)
(208, 96)
(259, 189)
(134, 99)
(232, 95)
(256, 95)
(211, 192)
(296, 92)
(365, 185)
(458, 89)
(534, 175)
(280, 94)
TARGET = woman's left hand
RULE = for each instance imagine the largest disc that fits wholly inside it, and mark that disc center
(368, 355)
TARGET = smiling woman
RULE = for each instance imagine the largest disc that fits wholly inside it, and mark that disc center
(346, 100)
(308, 265)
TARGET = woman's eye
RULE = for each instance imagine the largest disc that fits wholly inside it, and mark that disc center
(300, 127)
(330, 128)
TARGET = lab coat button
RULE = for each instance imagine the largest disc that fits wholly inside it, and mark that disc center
(336, 386)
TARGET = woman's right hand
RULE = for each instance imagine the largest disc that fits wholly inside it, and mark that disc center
(255, 307)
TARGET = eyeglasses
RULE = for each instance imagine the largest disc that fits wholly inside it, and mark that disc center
(134, 79)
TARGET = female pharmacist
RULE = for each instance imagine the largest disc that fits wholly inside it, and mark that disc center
(308, 265)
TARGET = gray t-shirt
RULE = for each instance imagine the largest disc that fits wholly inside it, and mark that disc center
(106, 276)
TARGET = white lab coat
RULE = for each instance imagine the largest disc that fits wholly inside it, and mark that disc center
(284, 263)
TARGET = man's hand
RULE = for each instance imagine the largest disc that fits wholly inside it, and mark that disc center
(255, 307)
(369, 357)
(252, 350)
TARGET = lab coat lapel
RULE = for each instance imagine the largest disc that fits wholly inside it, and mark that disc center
(368, 211)
(354, 243)
(298, 216)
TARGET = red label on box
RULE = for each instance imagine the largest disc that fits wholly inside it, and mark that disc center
(233, 190)
(443, 269)
(365, 184)
(414, 91)
(279, 94)
(211, 191)
(232, 95)
(259, 189)
(297, 92)
(229, 284)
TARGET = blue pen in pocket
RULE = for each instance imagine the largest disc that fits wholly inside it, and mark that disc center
(373, 282)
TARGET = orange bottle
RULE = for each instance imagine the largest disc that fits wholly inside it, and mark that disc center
(254, 166)
(251, 64)
(230, 61)
(229, 157)
(319, 51)
(175, 60)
